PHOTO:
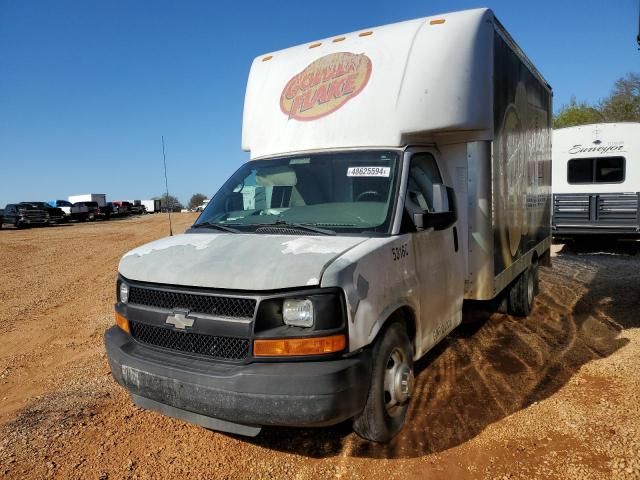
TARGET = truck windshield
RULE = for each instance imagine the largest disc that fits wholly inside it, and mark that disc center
(345, 192)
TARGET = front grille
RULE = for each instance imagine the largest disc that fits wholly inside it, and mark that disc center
(232, 307)
(35, 215)
(226, 348)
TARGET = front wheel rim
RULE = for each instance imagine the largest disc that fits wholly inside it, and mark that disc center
(398, 382)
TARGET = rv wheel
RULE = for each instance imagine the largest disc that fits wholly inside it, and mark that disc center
(523, 291)
(391, 387)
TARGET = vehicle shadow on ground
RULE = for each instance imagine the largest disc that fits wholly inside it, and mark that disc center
(498, 365)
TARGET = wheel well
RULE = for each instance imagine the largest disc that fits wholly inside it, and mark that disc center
(405, 316)
(534, 258)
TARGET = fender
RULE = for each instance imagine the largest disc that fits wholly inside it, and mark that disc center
(377, 277)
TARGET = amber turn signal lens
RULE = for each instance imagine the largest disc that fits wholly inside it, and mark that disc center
(439, 21)
(122, 322)
(289, 347)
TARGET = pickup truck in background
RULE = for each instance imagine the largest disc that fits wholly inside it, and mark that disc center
(94, 211)
(73, 212)
(63, 205)
(56, 214)
(137, 208)
(22, 216)
(124, 208)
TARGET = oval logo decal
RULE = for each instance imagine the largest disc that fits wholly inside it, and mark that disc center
(325, 85)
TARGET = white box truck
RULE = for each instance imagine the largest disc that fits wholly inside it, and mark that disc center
(99, 198)
(394, 173)
(151, 206)
(596, 180)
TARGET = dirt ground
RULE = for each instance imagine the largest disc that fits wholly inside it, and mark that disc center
(556, 395)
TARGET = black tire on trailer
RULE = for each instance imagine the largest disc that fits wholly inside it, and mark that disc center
(523, 291)
(391, 386)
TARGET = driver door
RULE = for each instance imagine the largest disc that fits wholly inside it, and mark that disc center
(438, 256)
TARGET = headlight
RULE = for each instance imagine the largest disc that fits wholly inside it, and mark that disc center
(124, 292)
(297, 312)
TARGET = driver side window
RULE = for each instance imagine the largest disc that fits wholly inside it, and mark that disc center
(423, 174)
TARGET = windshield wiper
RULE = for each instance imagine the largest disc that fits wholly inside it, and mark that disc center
(219, 226)
(306, 226)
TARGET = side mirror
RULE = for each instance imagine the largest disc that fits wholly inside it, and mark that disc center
(418, 220)
(446, 213)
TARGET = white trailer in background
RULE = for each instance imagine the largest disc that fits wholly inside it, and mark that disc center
(596, 180)
(100, 198)
(151, 206)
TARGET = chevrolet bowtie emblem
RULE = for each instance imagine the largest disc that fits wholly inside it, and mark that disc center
(180, 320)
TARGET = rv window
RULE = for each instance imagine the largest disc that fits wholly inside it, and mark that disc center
(596, 170)
(610, 170)
(580, 170)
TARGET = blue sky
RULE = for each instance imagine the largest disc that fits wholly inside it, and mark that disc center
(88, 87)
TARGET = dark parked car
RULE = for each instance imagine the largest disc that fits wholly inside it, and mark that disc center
(112, 209)
(56, 215)
(124, 208)
(21, 216)
(1, 216)
(93, 210)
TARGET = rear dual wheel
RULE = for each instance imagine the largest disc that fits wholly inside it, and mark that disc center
(523, 291)
(391, 387)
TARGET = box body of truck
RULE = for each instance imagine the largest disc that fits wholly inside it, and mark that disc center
(394, 173)
(100, 198)
(596, 180)
(151, 206)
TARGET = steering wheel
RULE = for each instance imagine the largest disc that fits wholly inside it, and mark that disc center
(370, 193)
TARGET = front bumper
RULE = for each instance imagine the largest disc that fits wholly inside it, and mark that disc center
(312, 393)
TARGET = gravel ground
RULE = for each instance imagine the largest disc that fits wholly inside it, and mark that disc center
(555, 395)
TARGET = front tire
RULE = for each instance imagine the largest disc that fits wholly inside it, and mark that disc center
(391, 387)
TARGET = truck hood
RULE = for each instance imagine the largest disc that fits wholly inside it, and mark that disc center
(235, 261)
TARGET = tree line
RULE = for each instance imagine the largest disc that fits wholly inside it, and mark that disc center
(171, 202)
(621, 105)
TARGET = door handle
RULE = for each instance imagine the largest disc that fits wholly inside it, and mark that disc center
(455, 238)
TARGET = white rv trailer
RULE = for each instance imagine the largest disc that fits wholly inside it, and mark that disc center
(394, 172)
(596, 180)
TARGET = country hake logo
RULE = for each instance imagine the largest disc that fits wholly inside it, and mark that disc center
(325, 85)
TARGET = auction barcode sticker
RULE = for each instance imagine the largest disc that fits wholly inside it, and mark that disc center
(368, 171)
